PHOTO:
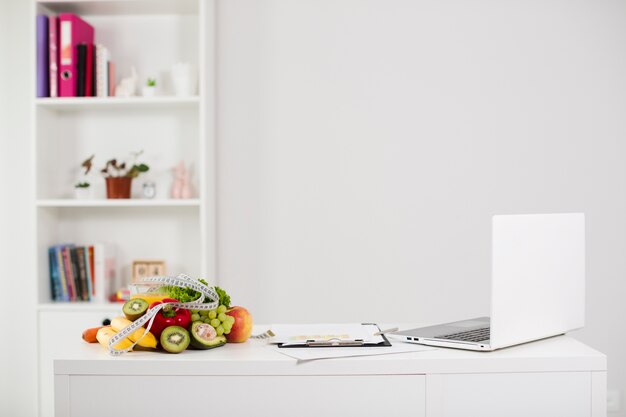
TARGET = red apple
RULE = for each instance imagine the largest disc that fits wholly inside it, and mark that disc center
(242, 327)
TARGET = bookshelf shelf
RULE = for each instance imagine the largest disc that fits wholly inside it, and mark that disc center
(121, 7)
(95, 103)
(60, 203)
(80, 307)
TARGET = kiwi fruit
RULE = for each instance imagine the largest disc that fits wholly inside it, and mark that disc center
(175, 339)
(135, 308)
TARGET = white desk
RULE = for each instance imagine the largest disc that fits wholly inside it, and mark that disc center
(554, 377)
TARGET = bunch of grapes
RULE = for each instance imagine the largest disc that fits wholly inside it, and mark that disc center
(221, 322)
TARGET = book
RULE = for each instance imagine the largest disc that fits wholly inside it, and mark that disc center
(104, 271)
(53, 56)
(111, 79)
(94, 71)
(78, 293)
(55, 282)
(72, 31)
(82, 273)
(69, 273)
(43, 88)
(81, 68)
(89, 71)
(102, 59)
(92, 274)
(64, 289)
(88, 272)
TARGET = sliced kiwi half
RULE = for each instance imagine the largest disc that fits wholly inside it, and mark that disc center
(135, 308)
(175, 339)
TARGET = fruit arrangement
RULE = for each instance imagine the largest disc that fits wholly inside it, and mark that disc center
(172, 327)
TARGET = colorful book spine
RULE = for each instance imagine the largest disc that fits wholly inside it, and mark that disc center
(82, 273)
(43, 88)
(92, 272)
(69, 273)
(102, 59)
(55, 283)
(111, 72)
(59, 254)
(53, 56)
(81, 67)
(72, 31)
(89, 71)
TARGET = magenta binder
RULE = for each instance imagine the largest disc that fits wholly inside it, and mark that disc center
(72, 31)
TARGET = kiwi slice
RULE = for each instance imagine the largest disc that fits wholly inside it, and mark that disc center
(135, 308)
(175, 339)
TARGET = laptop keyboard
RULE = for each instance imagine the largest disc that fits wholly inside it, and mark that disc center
(476, 335)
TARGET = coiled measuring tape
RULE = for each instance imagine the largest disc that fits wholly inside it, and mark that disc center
(182, 281)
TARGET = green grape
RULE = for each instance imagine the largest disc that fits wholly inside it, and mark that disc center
(219, 330)
(221, 309)
(227, 326)
(212, 314)
(222, 317)
(215, 323)
(195, 317)
(194, 311)
(226, 331)
(207, 320)
(203, 312)
(230, 319)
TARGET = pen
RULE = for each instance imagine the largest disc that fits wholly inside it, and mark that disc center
(393, 329)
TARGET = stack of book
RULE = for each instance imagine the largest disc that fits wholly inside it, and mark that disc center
(69, 64)
(81, 273)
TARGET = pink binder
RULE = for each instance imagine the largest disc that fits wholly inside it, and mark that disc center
(72, 31)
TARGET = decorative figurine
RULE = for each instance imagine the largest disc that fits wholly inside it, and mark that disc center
(181, 188)
(128, 86)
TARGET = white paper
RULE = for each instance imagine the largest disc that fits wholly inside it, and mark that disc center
(307, 354)
(290, 334)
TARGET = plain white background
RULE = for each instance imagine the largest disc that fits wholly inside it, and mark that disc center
(363, 146)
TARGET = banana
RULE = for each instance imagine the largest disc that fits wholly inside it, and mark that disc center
(106, 333)
(148, 341)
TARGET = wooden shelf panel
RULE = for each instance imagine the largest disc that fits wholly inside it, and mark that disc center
(121, 7)
(137, 202)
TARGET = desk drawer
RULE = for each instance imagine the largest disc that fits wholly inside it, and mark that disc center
(536, 394)
(234, 396)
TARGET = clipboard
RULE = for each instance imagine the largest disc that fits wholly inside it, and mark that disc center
(339, 342)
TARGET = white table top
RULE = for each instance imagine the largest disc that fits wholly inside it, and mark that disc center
(256, 357)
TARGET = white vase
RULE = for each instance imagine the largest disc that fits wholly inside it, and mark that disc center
(149, 91)
(81, 193)
(184, 79)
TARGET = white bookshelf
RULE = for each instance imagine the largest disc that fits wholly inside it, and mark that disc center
(150, 35)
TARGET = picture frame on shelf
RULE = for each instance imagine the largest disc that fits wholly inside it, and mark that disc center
(143, 268)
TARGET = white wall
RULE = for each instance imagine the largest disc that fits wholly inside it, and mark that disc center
(17, 350)
(364, 145)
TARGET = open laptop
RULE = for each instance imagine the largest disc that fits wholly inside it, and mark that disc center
(537, 286)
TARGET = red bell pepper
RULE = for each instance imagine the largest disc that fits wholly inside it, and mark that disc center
(168, 316)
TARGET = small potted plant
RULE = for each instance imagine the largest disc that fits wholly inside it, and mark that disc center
(119, 176)
(149, 90)
(82, 189)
